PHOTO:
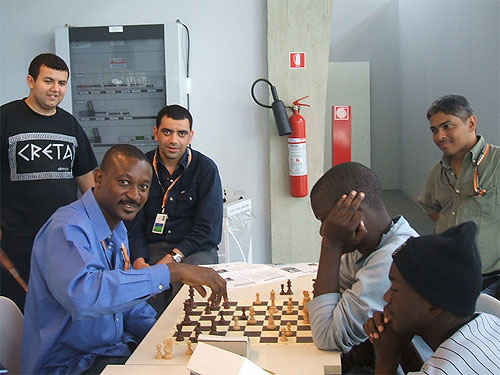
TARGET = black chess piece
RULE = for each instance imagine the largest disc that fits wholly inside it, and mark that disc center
(191, 297)
(197, 332)
(213, 328)
(179, 336)
(243, 315)
(208, 310)
(289, 285)
(213, 304)
(187, 311)
(222, 320)
(282, 290)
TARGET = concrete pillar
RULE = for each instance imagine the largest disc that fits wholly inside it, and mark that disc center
(297, 26)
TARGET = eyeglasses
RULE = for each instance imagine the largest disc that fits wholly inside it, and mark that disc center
(479, 191)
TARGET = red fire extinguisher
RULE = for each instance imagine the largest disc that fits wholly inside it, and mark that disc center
(297, 156)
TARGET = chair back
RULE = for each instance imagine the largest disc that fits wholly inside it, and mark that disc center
(11, 334)
(488, 304)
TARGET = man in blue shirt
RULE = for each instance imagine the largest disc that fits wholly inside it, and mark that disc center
(182, 219)
(84, 304)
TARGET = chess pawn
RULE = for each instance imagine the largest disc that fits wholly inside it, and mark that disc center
(207, 309)
(236, 326)
(158, 352)
(252, 320)
(257, 299)
(197, 332)
(282, 290)
(283, 335)
(290, 306)
(289, 329)
(213, 328)
(189, 349)
(305, 315)
(270, 321)
(222, 320)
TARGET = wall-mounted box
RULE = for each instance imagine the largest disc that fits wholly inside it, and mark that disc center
(121, 76)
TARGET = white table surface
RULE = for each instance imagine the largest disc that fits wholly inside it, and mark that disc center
(145, 370)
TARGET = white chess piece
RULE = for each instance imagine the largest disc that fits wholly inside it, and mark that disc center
(236, 326)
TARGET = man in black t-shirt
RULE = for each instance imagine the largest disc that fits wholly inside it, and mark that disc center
(45, 155)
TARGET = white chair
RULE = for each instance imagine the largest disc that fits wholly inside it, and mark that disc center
(11, 334)
(488, 304)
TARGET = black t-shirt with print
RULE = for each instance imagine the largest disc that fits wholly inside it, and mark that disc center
(40, 156)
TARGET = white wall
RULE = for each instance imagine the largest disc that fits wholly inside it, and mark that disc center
(419, 50)
(367, 30)
(228, 53)
(446, 47)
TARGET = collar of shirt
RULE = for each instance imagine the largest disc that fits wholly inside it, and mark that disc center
(183, 162)
(99, 221)
(474, 153)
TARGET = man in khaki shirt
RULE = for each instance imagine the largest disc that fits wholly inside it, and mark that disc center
(465, 184)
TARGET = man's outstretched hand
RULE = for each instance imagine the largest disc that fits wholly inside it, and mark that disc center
(198, 277)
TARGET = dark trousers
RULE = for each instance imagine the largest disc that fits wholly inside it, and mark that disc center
(18, 249)
(101, 361)
(159, 250)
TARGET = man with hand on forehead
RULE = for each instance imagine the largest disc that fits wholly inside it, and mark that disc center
(86, 305)
(359, 237)
(435, 282)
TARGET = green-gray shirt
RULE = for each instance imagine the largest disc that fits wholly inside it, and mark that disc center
(451, 197)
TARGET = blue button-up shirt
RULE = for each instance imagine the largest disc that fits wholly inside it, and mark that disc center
(80, 302)
(194, 208)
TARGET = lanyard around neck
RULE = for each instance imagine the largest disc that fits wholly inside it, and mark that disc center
(478, 190)
(167, 191)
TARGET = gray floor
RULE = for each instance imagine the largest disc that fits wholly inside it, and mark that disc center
(398, 203)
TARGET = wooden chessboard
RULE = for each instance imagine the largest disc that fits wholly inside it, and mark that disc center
(257, 333)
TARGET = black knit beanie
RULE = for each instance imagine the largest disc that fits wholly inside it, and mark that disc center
(445, 268)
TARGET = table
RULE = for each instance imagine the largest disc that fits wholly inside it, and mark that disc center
(277, 358)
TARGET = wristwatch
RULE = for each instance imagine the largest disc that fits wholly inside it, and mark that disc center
(177, 257)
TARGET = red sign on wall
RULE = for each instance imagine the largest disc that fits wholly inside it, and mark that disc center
(341, 134)
(297, 60)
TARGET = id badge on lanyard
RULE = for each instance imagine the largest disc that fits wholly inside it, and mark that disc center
(159, 224)
(161, 218)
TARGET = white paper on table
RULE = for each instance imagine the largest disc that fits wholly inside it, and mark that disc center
(241, 275)
(210, 360)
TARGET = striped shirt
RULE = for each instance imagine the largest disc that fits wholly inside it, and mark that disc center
(473, 349)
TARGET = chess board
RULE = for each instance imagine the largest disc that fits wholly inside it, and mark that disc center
(257, 333)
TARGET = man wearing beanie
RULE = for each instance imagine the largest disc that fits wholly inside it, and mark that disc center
(435, 282)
